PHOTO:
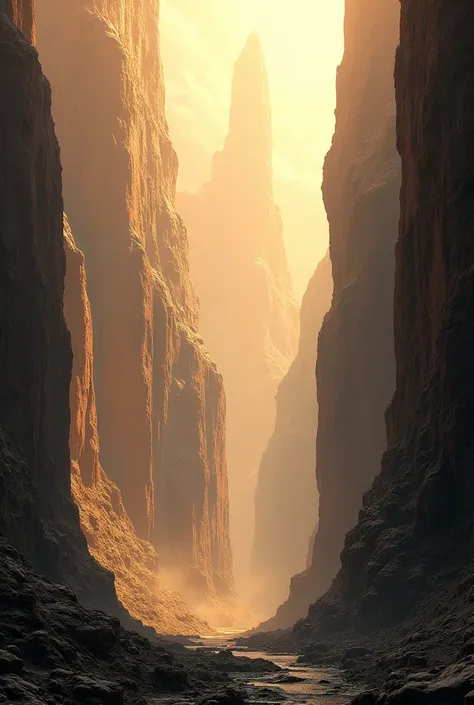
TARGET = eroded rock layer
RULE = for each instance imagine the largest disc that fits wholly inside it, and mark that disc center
(160, 401)
(355, 367)
(37, 515)
(285, 506)
(249, 320)
(110, 534)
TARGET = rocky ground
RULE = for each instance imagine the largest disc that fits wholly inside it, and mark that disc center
(429, 658)
(52, 650)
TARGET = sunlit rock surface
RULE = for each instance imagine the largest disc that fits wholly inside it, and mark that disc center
(110, 534)
(249, 320)
(159, 399)
(355, 367)
(286, 507)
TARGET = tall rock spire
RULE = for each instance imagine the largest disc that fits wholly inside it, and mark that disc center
(248, 318)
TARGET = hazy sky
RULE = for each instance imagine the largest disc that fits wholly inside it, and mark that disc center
(302, 41)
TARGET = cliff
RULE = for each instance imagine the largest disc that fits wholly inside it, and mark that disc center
(159, 399)
(249, 319)
(110, 534)
(355, 364)
(415, 529)
(406, 580)
(285, 506)
(38, 515)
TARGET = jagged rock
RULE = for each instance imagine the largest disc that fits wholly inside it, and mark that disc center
(355, 365)
(228, 697)
(238, 261)
(286, 497)
(9, 663)
(160, 402)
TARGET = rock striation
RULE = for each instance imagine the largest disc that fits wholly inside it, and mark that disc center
(355, 366)
(159, 399)
(249, 319)
(110, 534)
(38, 515)
(285, 507)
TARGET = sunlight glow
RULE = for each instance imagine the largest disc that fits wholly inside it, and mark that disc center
(302, 42)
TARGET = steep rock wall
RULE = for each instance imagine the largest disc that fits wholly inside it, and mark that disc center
(249, 320)
(355, 367)
(38, 515)
(285, 506)
(415, 529)
(110, 534)
(160, 401)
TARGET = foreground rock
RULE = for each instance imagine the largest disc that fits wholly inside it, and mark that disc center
(53, 650)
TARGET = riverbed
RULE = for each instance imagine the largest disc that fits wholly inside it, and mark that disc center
(296, 684)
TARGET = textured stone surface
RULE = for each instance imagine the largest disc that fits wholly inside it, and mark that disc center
(355, 367)
(38, 515)
(286, 506)
(110, 534)
(249, 320)
(160, 402)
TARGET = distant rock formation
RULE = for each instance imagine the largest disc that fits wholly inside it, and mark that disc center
(285, 506)
(110, 534)
(160, 401)
(355, 367)
(249, 320)
(37, 514)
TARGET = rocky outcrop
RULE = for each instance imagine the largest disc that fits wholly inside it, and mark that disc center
(160, 401)
(37, 514)
(285, 507)
(249, 320)
(355, 367)
(110, 534)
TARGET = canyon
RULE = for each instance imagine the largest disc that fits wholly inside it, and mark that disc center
(158, 405)
(114, 524)
(249, 319)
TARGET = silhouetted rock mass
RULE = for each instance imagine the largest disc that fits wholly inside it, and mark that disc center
(248, 317)
(407, 565)
(159, 399)
(286, 507)
(415, 528)
(37, 515)
(355, 365)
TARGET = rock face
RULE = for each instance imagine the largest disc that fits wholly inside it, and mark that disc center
(38, 515)
(249, 320)
(416, 523)
(160, 401)
(355, 367)
(110, 534)
(285, 507)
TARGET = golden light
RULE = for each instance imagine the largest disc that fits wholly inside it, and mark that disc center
(303, 42)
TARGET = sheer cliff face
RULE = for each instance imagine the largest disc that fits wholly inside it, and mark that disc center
(38, 515)
(249, 320)
(110, 534)
(417, 518)
(160, 401)
(355, 366)
(286, 507)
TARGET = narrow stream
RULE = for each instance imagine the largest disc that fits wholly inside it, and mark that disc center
(294, 685)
